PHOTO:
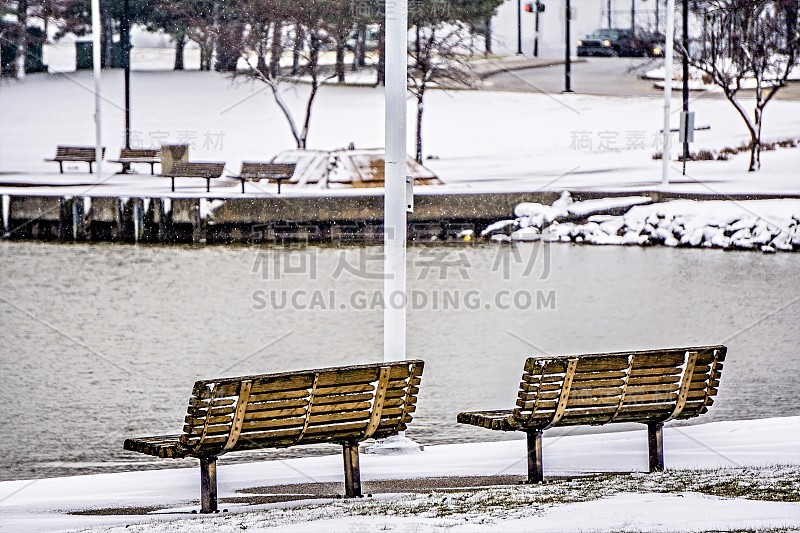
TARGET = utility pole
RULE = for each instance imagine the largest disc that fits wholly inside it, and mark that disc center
(394, 232)
(685, 87)
(567, 58)
(668, 49)
(657, 24)
(633, 17)
(608, 13)
(125, 44)
(519, 27)
(96, 71)
(538, 6)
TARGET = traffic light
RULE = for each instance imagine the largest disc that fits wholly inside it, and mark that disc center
(529, 8)
(539, 6)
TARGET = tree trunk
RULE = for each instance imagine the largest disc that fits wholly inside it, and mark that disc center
(360, 52)
(261, 62)
(381, 55)
(755, 142)
(313, 62)
(487, 38)
(213, 37)
(21, 59)
(420, 109)
(276, 49)
(180, 43)
(107, 48)
(299, 40)
(341, 40)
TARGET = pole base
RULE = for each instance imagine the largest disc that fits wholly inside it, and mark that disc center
(394, 445)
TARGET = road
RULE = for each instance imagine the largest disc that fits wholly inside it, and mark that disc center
(607, 76)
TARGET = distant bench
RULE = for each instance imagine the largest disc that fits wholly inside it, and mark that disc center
(85, 154)
(650, 387)
(341, 405)
(278, 172)
(205, 170)
(139, 155)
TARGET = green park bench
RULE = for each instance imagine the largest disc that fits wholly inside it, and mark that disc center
(340, 405)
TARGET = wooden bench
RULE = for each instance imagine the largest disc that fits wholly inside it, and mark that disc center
(128, 156)
(75, 153)
(205, 170)
(650, 387)
(341, 405)
(278, 172)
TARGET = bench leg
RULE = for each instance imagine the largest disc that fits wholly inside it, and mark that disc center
(208, 184)
(60, 167)
(152, 169)
(173, 184)
(242, 186)
(90, 168)
(208, 484)
(279, 186)
(535, 467)
(352, 472)
(655, 446)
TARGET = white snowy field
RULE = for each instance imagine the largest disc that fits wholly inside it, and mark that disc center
(479, 140)
(721, 476)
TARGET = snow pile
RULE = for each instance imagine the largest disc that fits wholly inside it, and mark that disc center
(766, 225)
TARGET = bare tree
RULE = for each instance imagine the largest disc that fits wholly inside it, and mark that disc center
(307, 18)
(747, 44)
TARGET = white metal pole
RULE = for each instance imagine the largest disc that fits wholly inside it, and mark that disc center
(394, 236)
(668, 47)
(96, 68)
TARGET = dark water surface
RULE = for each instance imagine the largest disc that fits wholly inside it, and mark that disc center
(102, 342)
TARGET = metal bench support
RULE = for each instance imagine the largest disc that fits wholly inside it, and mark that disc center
(655, 446)
(535, 468)
(352, 473)
(208, 484)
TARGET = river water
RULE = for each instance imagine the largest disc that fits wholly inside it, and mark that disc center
(103, 342)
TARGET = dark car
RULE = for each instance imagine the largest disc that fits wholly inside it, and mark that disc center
(612, 42)
(654, 42)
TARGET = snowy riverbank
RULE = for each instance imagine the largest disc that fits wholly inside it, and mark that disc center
(758, 487)
(766, 225)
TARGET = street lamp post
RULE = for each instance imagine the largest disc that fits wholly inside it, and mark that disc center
(668, 50)
(685, 85)
(519, 27)
(567, 58)
(96, 70)
(125, 44)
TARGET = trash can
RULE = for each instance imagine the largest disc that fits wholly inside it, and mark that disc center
(171, 153)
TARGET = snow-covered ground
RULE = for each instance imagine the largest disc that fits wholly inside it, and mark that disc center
(478, 140)
(758, 487)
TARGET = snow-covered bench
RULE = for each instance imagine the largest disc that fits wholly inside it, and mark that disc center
(139, 155)
(341, 405)
(206, 170)
(254, 171)
(85, 154)
(650, 387)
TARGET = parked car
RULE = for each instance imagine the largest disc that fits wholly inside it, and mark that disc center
(654, 43)
(612, 42)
